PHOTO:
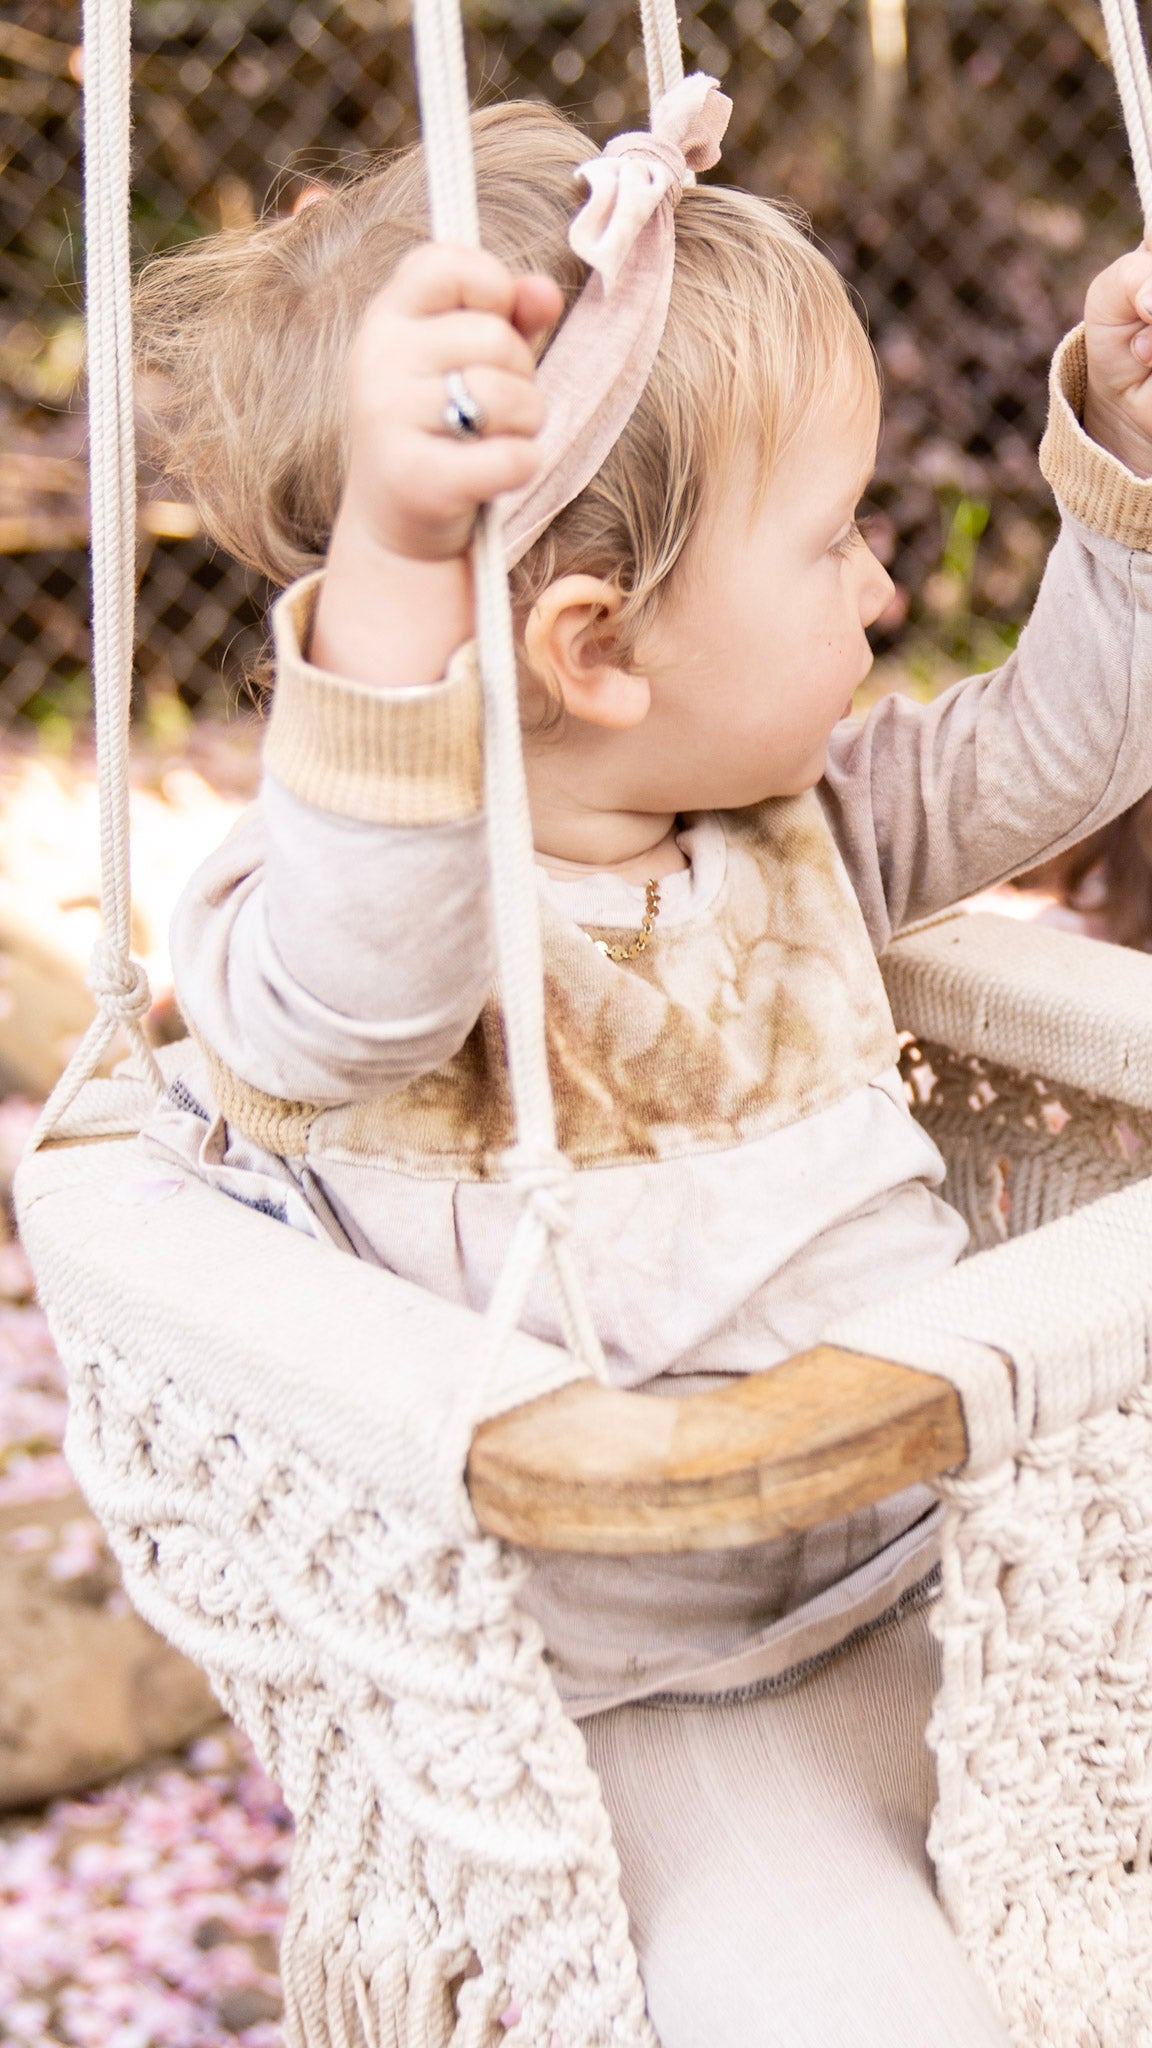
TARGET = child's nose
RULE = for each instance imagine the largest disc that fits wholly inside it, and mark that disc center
(876, 592)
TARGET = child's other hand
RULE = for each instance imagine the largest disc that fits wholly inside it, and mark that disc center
(413, 488)
(1118, 332)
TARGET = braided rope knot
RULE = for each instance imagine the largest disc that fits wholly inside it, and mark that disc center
(119, 984)
(546, 1184)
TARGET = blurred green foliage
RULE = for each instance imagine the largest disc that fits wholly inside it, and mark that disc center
(953, 631)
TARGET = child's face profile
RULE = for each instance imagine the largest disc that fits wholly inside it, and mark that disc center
(758, 646)
(759, 650)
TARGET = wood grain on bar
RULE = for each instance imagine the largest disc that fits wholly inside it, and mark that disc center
(591, 1468)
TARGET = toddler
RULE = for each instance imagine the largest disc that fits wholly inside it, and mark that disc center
(721, 854)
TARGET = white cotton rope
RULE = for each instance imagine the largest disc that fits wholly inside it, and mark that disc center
(536, 1167)
(663, 56)
(1130, 64)
(118, 982)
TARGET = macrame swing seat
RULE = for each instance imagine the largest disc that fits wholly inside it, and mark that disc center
(309, 1496)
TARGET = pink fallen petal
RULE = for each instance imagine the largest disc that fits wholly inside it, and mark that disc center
(102, 1901)
(28, 1479)
(141, 1194)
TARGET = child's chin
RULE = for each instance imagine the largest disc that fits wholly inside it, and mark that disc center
(740, 796)
(792, 785)
(808, 774)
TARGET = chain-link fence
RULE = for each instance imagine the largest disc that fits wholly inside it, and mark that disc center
(963, 160)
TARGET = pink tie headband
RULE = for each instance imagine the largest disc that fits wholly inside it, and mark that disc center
(593, 374)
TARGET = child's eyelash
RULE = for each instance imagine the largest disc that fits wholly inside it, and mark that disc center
(847, 541)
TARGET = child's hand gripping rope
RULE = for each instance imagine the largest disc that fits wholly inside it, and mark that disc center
(446, 313)
(1118, 335)
(397, 596)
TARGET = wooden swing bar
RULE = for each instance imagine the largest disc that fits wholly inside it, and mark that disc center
(591, 1468)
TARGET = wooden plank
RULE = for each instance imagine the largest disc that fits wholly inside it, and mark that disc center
(591, 1468)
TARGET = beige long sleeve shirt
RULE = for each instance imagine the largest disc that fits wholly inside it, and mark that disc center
(338, 949)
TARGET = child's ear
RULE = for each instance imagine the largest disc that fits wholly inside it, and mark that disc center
(569, 643)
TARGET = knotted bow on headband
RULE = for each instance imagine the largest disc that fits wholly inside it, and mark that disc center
(593, 374)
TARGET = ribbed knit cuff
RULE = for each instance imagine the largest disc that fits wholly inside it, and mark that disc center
(1093, 484)
(278, 1127)
(387, 757)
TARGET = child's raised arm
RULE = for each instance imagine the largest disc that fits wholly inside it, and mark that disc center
(932, 802)
(338, 945)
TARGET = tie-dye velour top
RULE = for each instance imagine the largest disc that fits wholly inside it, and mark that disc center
(761, 1006)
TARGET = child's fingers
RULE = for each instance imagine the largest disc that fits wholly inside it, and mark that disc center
(456, 339)
(441, 279)
(1118, 326)
(484, 468)
(539, 304)
(445, 310)
(1142, 306)
(1140, 341)
(440, 276)
(442, 478)
(1122, 294)
(510, 405)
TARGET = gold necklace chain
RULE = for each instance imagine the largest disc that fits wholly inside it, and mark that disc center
(647, 926)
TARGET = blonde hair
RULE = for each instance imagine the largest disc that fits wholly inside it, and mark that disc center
(250, 332)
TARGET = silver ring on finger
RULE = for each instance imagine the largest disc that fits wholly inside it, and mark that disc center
(464, 416)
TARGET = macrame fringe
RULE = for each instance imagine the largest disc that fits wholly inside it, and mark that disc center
(335, 1997)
